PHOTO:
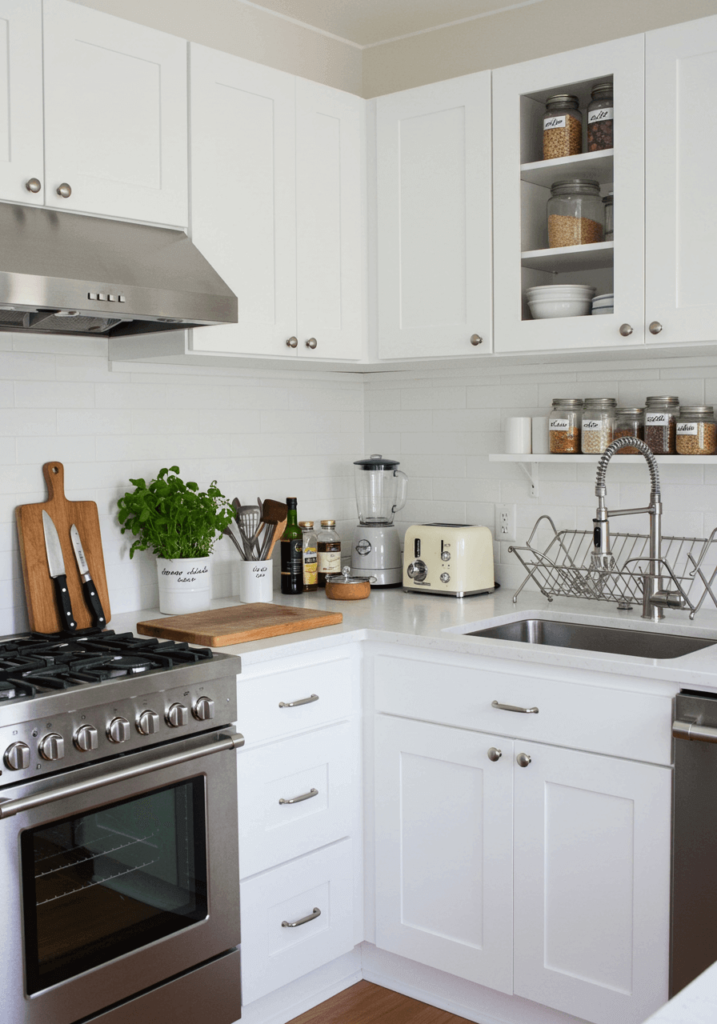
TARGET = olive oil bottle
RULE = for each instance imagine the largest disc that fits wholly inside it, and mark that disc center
(292, 556)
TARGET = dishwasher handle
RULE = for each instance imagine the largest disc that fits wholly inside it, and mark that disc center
(10, 807)
(693, 731)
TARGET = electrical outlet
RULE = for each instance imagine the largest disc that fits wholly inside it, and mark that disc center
(505, 516)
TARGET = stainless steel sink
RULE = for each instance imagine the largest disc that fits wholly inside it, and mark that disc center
(605, 639)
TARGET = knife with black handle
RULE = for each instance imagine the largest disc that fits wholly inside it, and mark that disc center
(88, 584)
(56, 565)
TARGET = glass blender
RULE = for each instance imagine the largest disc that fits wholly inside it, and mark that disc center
(380, 494)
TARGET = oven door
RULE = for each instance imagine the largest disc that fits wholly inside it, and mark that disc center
(116, 877)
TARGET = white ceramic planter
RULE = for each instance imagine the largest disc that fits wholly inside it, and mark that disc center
(185, 585)
(253, 581)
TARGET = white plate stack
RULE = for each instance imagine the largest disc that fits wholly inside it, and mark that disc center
(603, 304)
(551, 300)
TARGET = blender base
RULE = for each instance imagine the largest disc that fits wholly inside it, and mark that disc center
(386, 577)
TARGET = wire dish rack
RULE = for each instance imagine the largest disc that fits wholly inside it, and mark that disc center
(562, 566)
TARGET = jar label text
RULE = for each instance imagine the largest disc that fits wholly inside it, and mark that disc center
(687, 428)
(593, 424)
(553, 122)
(559, 424)
(603, 114)
(657, 419)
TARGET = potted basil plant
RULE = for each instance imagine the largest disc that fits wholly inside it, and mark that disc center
(180, 524)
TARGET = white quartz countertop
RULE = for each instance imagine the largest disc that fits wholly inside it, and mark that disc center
(434, 622)
(696, 1004)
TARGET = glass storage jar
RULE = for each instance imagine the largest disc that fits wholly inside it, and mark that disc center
(575, 213)
(629, 423)
(607, 202)
(660, 416)
(564, 426)
(696, 430)
(562, 126)
(598, 424)
(600, 118)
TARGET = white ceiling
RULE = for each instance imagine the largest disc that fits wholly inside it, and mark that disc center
(367, 22)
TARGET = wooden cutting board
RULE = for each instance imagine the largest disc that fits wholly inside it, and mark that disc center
(39, 590)
(237, 624)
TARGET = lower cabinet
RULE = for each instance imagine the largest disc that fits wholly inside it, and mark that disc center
(528, 868)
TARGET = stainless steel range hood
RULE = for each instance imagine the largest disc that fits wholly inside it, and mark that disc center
(64, 273)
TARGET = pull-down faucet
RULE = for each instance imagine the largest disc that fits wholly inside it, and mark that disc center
(654, 598)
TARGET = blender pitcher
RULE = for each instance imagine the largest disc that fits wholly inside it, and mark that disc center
(380, 490)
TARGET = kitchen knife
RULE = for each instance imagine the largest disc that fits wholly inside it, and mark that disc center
(88, 584)
(56, 564)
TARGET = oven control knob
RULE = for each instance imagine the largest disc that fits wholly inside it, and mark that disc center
(148, 723)
(445, 577)
(86, 738)
(203, 709)
(177, 715)
(118, 730)
(52, 747)
(17, 756)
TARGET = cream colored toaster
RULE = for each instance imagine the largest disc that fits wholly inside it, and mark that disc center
(449, 559)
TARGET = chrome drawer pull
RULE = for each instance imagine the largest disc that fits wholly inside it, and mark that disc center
(298, 799)
(302, 920)
(296, 703)
(513, 707)
(693, 731)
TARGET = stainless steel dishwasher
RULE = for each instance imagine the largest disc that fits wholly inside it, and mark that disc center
(694, 838)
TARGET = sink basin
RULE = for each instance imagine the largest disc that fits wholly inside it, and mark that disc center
(606, 639)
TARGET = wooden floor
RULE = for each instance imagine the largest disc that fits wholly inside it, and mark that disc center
(365, 1003)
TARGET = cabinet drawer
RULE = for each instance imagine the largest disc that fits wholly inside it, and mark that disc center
(272, 954)
(324, 764)
(570, 714)
(265, 708)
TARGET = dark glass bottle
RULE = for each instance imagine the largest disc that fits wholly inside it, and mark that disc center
(292, 555)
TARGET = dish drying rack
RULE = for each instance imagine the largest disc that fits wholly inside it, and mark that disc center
(563, 567)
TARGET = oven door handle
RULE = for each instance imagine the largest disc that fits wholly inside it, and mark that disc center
(10, 807)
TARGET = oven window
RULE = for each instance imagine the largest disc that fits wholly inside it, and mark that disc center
(102, 884)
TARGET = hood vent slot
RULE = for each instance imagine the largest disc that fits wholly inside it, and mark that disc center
(54, 324)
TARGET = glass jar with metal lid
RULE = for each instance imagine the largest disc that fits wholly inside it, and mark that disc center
(600, 118)
(696, 430)
(629, 422)
(598, 424)
(564, 426)
(576, 215)
(562, 126)
(607, 202)
(660, 416)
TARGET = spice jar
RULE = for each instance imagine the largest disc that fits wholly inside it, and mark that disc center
(575, 213)
(329, 553)
(660, 415)
(607, 202)
(562, 127)
(696, 430)
(564, 426)
(629, 423)
(600, 118)
(598, 424)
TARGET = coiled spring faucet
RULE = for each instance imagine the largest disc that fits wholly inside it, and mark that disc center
(654, 597)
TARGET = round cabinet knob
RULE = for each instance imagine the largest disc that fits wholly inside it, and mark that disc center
(148, 723)
(445, 556)
(64, 190)
(417, 571)
(625, 330)
(476, 339)
(52, 747)
(17, 756)
(312, 343)
(524, 760)
(33, 185)
(292, 342)
(86, 738)
(364, 547)
(203, 710)
(655, 327)
(494, 754)
(118, 730)
(445, 577)
(177, 715)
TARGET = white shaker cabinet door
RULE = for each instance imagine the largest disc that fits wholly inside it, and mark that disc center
(681, 150)
(330, 257)
(244, 196)
(592, 884)
(434, 219)
(115, 116)
(21, 149)
(444, 849)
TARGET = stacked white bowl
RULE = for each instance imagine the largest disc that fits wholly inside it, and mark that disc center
(604, 304)
(551, 300)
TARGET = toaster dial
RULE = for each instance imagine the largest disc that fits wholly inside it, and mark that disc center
(417, 571)
(445, 556)
(445, 577)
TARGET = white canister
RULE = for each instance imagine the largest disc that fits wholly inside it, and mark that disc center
(540, 435)
(185, 585)
(253, 582)
(517, 435)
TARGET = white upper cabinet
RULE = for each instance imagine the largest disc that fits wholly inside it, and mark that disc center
(115, 116)
(434, 219)
(681, 150)
(522, 188)
(22, 173)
